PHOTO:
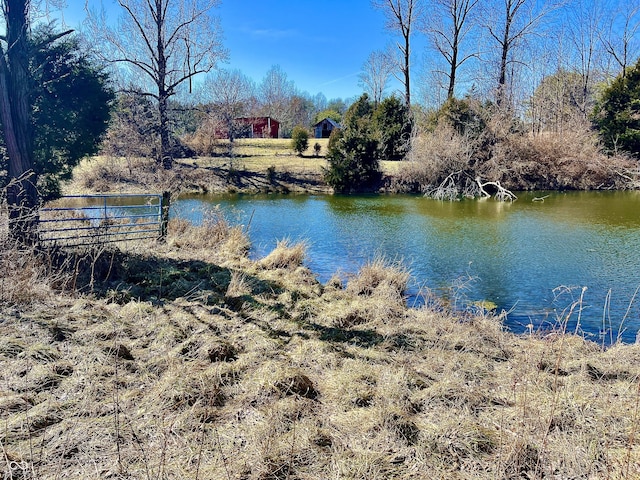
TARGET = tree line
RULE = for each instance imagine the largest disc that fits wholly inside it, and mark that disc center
(543, 63)
(501, 49)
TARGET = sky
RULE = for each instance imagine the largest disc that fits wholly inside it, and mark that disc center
(321, 46)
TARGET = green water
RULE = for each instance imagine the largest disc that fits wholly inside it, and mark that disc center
(530, 258)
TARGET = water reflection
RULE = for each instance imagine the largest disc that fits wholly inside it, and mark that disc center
(517, 253)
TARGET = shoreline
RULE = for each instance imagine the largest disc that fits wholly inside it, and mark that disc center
(217, 175)
(192, 347)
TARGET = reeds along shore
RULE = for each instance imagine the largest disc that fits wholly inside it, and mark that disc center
(189, 360)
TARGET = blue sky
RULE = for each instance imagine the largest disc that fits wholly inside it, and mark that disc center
(320, 45)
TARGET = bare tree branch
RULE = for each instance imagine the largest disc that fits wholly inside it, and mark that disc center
(402, 15)
(169, 42)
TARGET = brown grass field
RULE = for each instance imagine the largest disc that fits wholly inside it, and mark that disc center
(185, 359)
(257, 165)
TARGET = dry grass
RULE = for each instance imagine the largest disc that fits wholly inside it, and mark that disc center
(188, 360)
(257, 165)
(285, 256)
(191, 363)
(214, 234)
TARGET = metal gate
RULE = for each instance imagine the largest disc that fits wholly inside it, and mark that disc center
(79, 220)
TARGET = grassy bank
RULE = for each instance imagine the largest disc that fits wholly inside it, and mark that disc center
(256, 165)
(188, 360)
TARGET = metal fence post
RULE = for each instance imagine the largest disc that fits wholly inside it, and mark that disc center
(164, 212)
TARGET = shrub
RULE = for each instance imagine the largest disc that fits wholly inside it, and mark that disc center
(467, 116)
(299, 139)
(434, 157)
(353, 152)
(445, 163)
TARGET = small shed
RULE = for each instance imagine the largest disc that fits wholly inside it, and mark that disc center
(259, 127)
(324, 127)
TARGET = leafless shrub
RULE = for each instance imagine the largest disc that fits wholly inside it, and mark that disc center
(204, 141)
(435, 156)
(445, 164)
(568, 160)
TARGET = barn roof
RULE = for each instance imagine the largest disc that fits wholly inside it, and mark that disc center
(256, 119)
(327, 119)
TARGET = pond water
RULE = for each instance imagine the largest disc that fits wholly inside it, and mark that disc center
(531, 258)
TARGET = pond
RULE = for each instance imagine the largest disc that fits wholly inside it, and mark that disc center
(532, 258)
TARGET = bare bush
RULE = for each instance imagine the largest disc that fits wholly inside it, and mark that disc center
(446, 164)
(204, 141)
(568, 160)
(435, 156)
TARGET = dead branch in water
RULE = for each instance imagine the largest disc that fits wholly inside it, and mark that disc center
(459, 185)
(502, 194)
(455, 186)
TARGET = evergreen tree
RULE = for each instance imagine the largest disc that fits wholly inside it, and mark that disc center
(353, 151)
(67, 110)
(392, 120)
(617, 113)
(71, 109)
(299, 139)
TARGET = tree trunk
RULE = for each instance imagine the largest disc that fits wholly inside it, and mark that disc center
(502, 78)
(165, 156)
(15, 108)
(407, 56)
(454, 67)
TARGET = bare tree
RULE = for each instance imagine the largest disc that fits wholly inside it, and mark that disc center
(401, 16)
(163, 44)
(449, 23)
(620, 38)
(556, 104)
(375, 75)
(509, 23)
(231, 94)
(275, 94)
(301, 109)
(584, 25)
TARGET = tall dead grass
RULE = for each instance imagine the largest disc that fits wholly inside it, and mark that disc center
(298, 380)
(285, 256)
(26, 275)
(214, 235)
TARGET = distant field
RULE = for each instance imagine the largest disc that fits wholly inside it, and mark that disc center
(259, 154)
(256, 165)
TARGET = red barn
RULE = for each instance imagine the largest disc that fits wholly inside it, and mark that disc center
(259, 127)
